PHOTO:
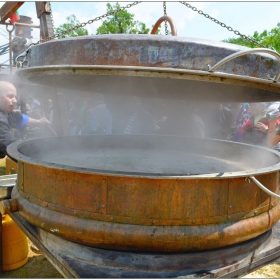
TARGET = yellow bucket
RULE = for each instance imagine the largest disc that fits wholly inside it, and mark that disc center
(14, 245)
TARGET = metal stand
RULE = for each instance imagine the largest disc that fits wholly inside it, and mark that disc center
(75, 260)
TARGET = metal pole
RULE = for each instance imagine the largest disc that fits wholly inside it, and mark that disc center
(22, 24)
(10, 50)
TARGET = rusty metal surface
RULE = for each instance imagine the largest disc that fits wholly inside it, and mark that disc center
(155, 82)
(153, 213)
(139, 64)
(150, 51)
(75, 260)
(123, 235)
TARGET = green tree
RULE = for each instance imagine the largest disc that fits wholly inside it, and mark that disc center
(71, 22)
(121, 22)
(269, 39)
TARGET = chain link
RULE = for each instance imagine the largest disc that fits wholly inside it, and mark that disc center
(222, 24)
(51, 16)
(85, 23)
(165, 22)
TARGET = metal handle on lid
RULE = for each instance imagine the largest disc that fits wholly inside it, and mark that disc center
(171, 23)
(257, 50)
(264, 188)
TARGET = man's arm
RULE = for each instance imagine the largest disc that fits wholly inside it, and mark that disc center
(18, 120)
(272, 138)
(39, 121)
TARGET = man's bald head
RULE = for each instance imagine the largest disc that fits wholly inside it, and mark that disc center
(8, 95)
(4, 86)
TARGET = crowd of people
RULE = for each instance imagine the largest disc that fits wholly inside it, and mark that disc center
(133, 115)
(249, 123)
(94, 113)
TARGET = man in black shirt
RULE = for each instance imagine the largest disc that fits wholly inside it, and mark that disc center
(9, 118)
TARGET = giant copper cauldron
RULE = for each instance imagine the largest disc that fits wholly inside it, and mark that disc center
(146, 193)
(149, 193)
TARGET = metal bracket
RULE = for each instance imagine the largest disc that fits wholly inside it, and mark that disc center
(19, 64)
(8, 205)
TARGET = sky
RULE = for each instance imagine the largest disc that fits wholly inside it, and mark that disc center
(245, 17)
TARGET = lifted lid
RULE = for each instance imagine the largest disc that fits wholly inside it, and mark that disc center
(156, 66)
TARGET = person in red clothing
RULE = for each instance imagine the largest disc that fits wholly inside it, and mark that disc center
(273, 132)
(256, 128)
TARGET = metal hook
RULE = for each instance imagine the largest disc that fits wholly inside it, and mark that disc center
(170, 21)
(10, 31)
(248, 179)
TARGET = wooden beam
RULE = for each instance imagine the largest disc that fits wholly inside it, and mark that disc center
(44, 14)
(8, 9)
(42, 7)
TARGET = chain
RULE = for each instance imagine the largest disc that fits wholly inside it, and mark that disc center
(24, 54)
(223, 25)
(165, 22)
(85, 23)
(51, 16)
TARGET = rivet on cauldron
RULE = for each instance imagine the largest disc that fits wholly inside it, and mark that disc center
(272, 205)
(112, 218)
(230, 206)
(153, 222)
(228, 217)
(103, 205)
(194, 221)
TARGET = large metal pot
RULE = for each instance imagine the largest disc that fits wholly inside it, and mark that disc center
(146, 192)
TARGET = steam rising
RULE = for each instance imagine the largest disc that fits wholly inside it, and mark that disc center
(148, 134)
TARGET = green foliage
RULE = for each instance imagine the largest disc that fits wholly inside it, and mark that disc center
(269, 39)
(121, 23)
(71, 22)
